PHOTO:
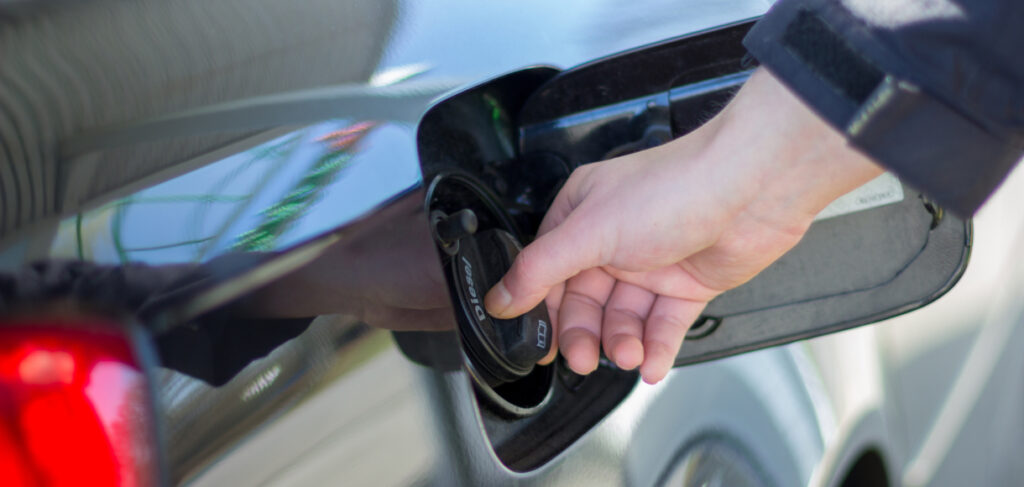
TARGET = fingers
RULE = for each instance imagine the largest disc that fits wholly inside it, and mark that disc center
(673, 280)
(551, 259)
(564, 246)
(554, 303)
(622, 332)
(579, 319)
(667, 324)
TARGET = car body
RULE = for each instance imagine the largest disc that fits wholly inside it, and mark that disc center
(273, 155)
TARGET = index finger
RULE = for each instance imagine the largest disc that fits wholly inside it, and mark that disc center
(550, 260)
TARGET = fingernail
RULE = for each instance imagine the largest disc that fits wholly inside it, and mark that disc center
(581, 367)
(498, 300)
(649, 376)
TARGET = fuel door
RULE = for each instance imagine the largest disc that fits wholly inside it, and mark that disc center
(881, 251)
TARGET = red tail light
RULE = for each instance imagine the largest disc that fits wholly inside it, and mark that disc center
(74, 408)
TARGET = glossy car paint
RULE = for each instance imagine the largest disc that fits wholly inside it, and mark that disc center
(100, 105)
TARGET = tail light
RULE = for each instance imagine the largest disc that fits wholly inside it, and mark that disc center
(75, 407)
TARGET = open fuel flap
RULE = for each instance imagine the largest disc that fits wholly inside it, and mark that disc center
(507, 145)
(882, 250)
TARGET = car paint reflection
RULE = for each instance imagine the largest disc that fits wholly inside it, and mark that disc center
(268, 197)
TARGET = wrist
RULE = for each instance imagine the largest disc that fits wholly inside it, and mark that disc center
(798, 162)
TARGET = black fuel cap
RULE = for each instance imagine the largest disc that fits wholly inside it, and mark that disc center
(500, 350)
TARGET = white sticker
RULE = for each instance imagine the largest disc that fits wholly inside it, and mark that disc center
(883, 190)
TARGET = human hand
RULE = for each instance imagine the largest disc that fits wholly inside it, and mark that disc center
(384, 272)
(633, 248)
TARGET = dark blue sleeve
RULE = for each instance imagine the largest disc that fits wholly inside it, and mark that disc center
(932, 90)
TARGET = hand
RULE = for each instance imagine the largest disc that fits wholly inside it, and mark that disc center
(633, 248)
(384, 272)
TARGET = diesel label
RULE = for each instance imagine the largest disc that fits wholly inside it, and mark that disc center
(471, 284)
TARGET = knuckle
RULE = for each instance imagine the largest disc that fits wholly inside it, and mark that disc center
(625, 315)
(673, 325)
(621, 337)
(658, 350)
(578, 184)
(528, 263)
(577, 175)
(583, 299)
(576, 335)
(525, 280)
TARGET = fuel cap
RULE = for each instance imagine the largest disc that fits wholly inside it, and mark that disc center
(500, 351)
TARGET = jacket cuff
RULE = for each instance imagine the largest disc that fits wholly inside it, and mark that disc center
(828, 57)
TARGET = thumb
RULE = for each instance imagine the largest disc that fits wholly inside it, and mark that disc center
(550, 260)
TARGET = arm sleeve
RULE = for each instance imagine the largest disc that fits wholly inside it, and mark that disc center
(931, 89)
